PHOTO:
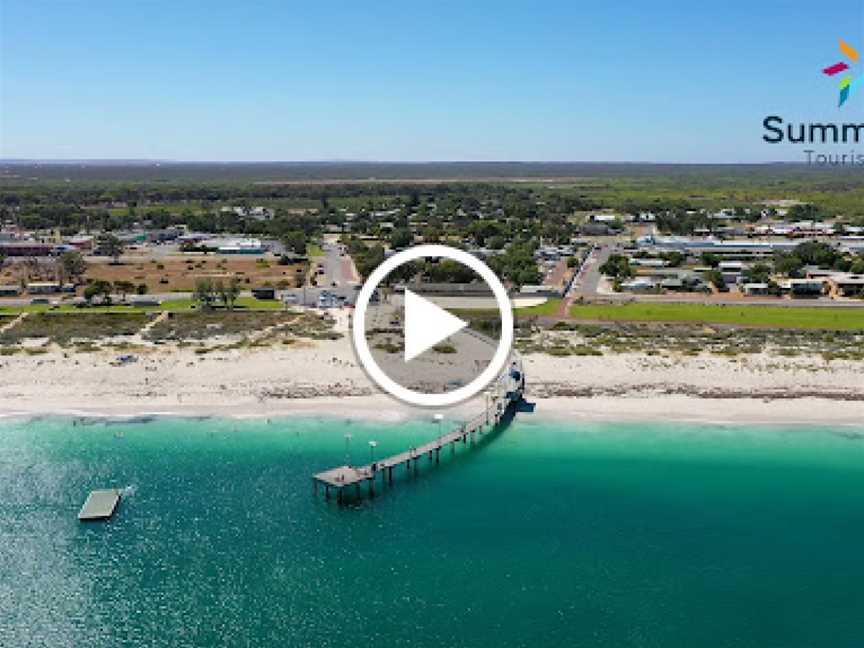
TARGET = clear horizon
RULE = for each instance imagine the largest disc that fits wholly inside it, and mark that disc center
(217, 82)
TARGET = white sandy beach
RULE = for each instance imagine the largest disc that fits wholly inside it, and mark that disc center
(324, 378)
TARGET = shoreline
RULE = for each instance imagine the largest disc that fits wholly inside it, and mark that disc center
(380, 408)
(323, 379)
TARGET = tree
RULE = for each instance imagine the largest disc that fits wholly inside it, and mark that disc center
(517, 264)
(124, 288)
(617, 267)
(759, 273)
(29, 269)
(73, 265)
(232, 292)
(365, 258)
(432, 234)
(401, 238)
(715, 278)
(219, 291)
(496, 242)
(527, 276)
(295, 241)
(805, 212)
(673, 258)
(818, 254)
(710, 259)
(203, 293)
(227, 293)
(111, 246)
(97, 288)
(788, 264)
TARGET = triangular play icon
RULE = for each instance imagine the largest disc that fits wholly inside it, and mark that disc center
(426, 325)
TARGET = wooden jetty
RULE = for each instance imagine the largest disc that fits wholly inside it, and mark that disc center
(100, 505)
(503, 406)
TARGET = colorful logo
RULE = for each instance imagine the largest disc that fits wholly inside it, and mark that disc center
(847, 83)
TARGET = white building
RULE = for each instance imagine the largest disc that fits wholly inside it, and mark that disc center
(242, 246)
(258, 213)
(639, 284)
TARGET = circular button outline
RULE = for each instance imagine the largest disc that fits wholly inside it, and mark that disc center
(502, 352)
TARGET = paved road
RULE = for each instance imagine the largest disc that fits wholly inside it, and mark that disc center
(338, 268)
(555, 275)
(339, 276)
(586, 282)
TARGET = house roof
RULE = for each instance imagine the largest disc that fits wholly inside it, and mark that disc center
(849, 280)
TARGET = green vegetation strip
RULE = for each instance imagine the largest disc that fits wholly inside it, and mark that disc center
(844, 319)
(174, 305)
(68, 309)
(549, 308)
(62, 329)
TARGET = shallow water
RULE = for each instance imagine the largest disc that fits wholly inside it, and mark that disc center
(546, 535)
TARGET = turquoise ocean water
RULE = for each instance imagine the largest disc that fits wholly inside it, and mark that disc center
(548, 535)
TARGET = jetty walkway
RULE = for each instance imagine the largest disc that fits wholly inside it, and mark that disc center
(504, 397)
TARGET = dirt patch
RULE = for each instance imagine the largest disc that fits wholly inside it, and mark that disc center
(179, 274)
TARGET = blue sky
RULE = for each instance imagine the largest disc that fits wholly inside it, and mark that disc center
(560, 80)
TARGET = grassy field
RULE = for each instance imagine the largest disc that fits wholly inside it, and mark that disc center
(800, 317)
(549, 308)
(314, 250)
(242, 303)
(44, 308)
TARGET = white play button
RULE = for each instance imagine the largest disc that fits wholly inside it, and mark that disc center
(396, 335)
(426, 325)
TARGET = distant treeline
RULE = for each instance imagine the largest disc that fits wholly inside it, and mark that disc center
(71, 198)
(153, 171)
(111, 207)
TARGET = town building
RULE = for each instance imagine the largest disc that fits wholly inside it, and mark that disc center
(841, 284)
